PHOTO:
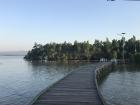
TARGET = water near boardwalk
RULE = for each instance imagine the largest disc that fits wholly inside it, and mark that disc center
(122, 86)
(21, 81)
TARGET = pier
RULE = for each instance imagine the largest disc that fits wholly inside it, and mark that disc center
(78, 88)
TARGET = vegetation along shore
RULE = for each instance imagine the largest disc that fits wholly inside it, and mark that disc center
(86, 51)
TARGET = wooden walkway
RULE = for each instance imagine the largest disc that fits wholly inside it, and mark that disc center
(78, 88)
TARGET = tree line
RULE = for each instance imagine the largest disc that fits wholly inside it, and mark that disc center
(86, 51)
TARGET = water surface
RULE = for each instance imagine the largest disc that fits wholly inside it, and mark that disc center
(21, 81)
(122, 86)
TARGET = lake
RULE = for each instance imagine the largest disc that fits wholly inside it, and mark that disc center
(21, 81)
(122, 85)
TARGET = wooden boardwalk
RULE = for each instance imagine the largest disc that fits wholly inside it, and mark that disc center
(78, 88)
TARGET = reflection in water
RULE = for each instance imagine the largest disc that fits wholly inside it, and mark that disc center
(122, 86)
(20, 80)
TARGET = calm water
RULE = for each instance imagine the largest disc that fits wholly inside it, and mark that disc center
(122, 86)
(21, 81)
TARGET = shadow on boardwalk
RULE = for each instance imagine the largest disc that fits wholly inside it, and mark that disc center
(78, 88)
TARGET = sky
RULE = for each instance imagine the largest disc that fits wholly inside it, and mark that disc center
(24, 22)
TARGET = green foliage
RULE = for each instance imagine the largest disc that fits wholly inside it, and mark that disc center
(135, 58)
(114, 55)
(86, 51)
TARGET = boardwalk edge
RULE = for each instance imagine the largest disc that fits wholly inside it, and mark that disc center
(46, 89)
(96, 81)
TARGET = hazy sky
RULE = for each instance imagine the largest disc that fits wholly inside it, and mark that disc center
(23, 22)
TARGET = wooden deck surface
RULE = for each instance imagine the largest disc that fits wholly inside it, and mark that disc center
(78, 88)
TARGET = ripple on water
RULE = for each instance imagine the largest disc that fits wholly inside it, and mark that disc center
(122, 86)
(21, 81)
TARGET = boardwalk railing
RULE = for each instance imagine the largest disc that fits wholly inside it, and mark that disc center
(98, 72)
